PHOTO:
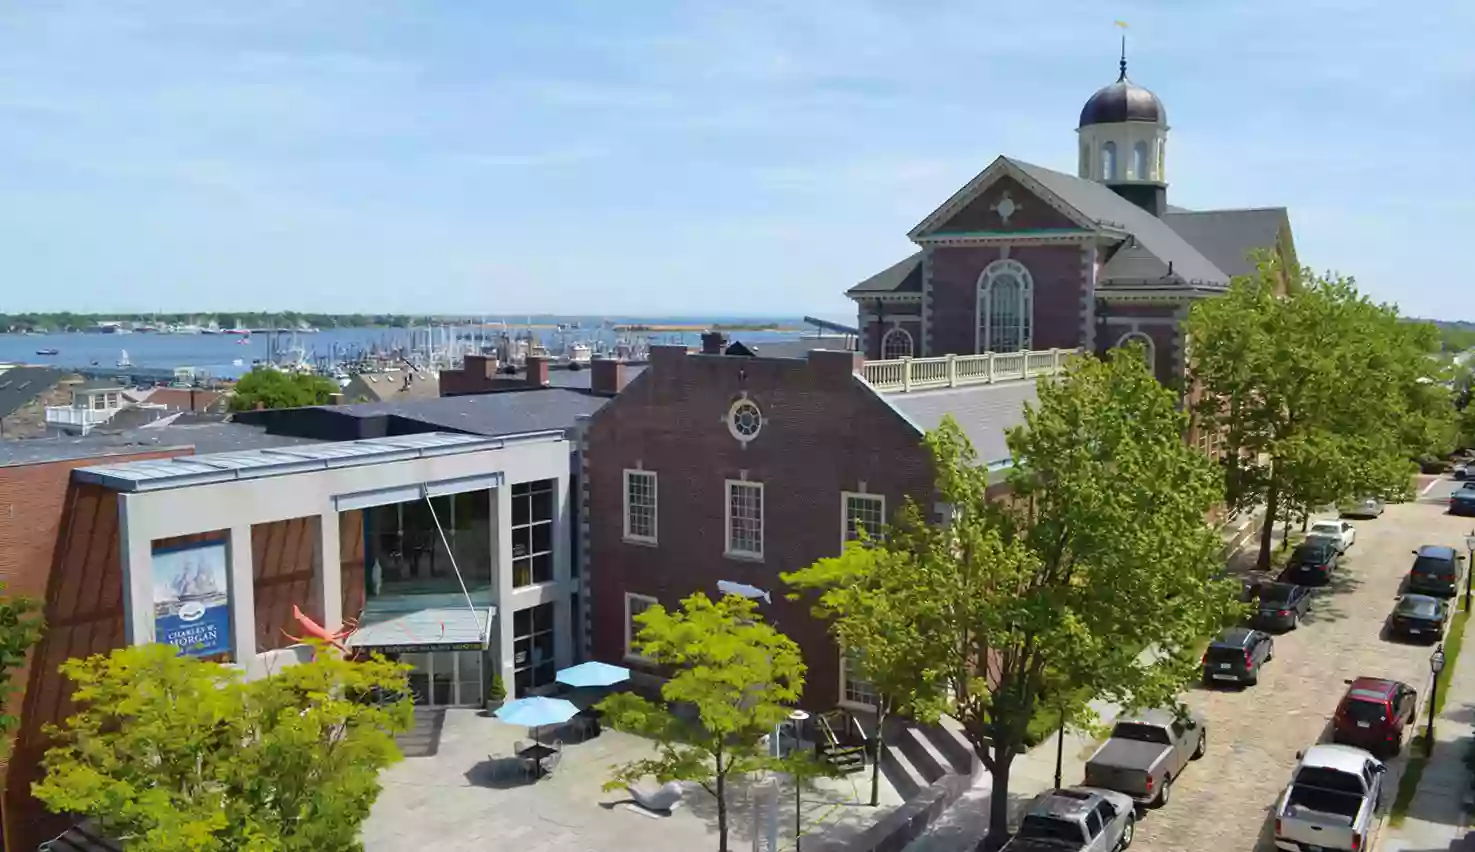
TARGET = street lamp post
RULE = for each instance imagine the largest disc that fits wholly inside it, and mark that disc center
(1436, 665)
(798, 717)
(1469, 565)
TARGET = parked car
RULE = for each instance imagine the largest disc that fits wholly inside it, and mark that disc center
(1362, 507)
(1237, 656)
(1311, 563)
(1436, 571)
(1281, 606)
(1419, 617)
(1339, 532)
(1145, 753)
(1076, 819)
(1332, 801)
(1460, 471)
(1374, 713)
(1462, 499)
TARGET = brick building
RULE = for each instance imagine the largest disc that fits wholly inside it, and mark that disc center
(721, 466)
(1024, 257)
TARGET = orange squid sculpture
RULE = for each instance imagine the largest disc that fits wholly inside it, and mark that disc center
(312, 630)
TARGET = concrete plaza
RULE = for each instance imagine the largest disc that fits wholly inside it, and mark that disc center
(454, 798)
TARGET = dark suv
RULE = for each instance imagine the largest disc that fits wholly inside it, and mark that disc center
(1436, 571)
(1374, 713)
(1237, 655)
(1311, 563)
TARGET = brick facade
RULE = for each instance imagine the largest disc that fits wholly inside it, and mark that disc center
(823, 433)
(1030, 212)
(1059, 286)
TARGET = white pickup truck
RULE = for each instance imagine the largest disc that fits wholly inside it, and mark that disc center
(1332, 801)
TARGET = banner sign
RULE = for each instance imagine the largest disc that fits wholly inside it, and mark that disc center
(192, 599)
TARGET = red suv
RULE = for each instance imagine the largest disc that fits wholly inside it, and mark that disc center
(1374, 713)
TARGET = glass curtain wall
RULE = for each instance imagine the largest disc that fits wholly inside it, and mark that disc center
(407, 556)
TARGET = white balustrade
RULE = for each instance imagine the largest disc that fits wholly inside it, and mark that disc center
(908, 374)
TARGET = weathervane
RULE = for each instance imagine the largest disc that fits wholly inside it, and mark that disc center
(1123, 25)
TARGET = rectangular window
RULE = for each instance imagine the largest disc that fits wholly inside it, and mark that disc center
(854, 691)
(532, 648)
(634, 605)
(745, 519)
(532, 533)
(640, 506)
(861, 512)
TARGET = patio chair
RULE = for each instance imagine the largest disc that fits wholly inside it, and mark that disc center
(664, 800)
(551, 762)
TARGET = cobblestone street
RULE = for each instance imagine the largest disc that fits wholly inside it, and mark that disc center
(1224, 801)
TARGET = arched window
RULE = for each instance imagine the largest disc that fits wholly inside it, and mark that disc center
(1005, 305)
(1139, 161)
(1141, 339)
(1108, 161)
(896, 344)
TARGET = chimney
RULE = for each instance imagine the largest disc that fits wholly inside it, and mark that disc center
(665, 354)
(607, 377)
(536, 368)
(835, 365)
(480, 366)
(713, 342)
(192, 400)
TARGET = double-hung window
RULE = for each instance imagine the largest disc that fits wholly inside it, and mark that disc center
(635, 605)
(861, 512)
(854, 692)
(744, 519)
(640, 506)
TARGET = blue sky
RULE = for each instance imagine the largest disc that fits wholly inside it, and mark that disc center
(677, 158)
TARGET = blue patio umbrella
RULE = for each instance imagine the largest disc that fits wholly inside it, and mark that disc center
(537, 711)
(593, 674)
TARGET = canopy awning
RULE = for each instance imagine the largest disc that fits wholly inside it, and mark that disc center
(401, 627)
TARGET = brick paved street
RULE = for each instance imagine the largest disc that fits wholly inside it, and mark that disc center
(1223, 802)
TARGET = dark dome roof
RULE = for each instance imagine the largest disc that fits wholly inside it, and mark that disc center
(1123, 101)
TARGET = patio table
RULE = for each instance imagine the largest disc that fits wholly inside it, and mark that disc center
(536, 752)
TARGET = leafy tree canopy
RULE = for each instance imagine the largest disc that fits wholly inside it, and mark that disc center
(1100, 554)
(169, 753)
(273, 388)
(739, 676)
(1319, 394)
(21, 626)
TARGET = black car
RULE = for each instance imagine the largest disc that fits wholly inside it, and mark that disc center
(1237, 655)
(1281, 606)
(1311, 563)
(1436, 571)
(1419, 617)
(1462, 500)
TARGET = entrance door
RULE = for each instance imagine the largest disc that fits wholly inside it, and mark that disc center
(445, 678)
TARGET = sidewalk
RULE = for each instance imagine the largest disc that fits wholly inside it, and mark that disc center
(963, 826)
(1437, 820)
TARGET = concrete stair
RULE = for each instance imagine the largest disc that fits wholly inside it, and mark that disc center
(917, 755)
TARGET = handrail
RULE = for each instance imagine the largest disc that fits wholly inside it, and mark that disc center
(950, 371)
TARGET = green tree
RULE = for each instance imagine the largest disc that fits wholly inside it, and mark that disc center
(1096, 578)
(168, 753)
(21, 625)
(739, 675)
(873, 624)
(1316, 393)
(272, 388)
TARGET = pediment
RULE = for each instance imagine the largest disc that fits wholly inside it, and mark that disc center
(1002, 199)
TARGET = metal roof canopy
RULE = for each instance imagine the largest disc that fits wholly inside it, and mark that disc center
(158, 474)
(407, 629)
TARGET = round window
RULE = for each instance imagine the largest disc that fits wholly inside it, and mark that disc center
(744, 420)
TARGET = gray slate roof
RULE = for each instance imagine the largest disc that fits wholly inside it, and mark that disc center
(204, 437)
(985, 412)
(507, 413)
(802, 347)
(20, 385)
(1226, 237)
(903, 277)
(1098, 203)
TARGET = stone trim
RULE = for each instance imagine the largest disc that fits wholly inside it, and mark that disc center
(924, 346)
(1088, 296)
(1179, 317)
(1005, 239)
(980, 183)
(585, 536)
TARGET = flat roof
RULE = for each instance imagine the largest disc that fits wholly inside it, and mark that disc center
(157, 474)
(182, 433)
